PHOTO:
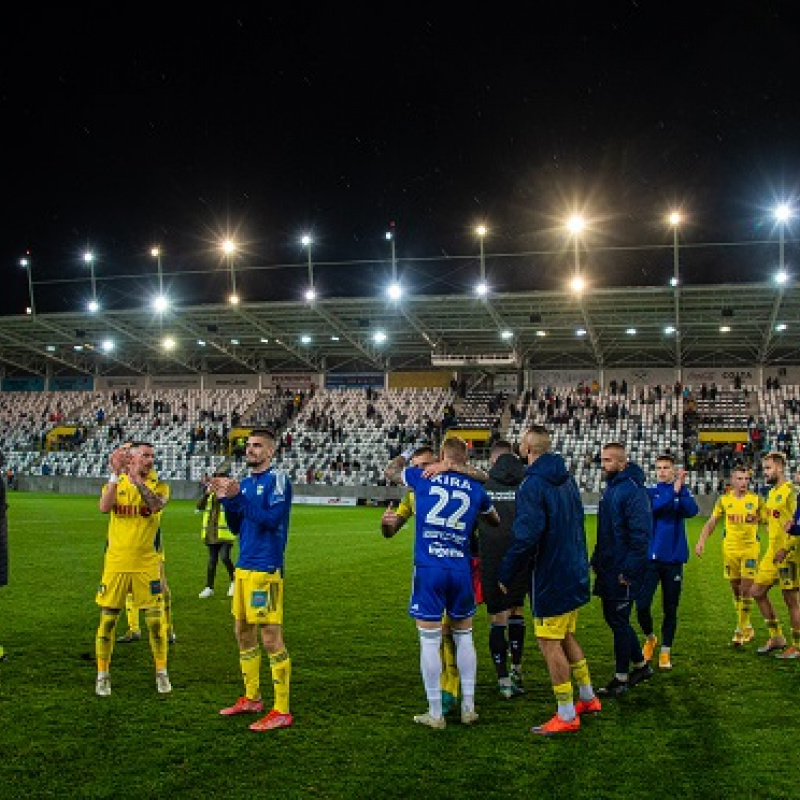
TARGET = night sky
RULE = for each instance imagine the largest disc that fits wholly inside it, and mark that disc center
(139, 125)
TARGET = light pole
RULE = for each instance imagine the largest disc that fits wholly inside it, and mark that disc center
(782, 214)
(675, 219)
(88, 257)
(229, 248)
(575, 225)
(311, 293)
(482, 288)
(156, 253)
(394, 286)
(25, 263)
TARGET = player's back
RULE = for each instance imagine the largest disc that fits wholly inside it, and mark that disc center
(447, 508)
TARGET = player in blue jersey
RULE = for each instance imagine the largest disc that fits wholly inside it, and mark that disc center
(258, 510)
(672, 503)
(448, 503)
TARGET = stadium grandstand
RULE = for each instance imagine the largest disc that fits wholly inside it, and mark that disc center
(709, 372)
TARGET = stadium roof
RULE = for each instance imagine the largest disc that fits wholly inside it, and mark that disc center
(458, 331)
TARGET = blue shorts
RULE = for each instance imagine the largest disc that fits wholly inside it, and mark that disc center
(436, 591)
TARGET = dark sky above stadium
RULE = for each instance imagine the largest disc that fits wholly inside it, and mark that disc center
(126, 126)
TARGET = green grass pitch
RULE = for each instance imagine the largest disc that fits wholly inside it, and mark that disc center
(722, 723)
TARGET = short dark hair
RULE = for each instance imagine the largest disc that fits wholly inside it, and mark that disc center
(422, 449)
(666, 457)
(264, 433)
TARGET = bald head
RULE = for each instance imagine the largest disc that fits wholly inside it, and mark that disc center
(535, 441)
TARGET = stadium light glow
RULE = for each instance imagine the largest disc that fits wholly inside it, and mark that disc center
(669, 330)
(305, 339)
(781, 326)
(93, 306)
(506, 334)
(234, 299)
(724, 328)
(394, 291)
(541, 334)
(107, 345)
(580, 332)
(168, 343)
(630, 331)
(781, 277)
(675, 218)
(160, 304)
(575, 224)
(782, 212)
(482, 289)
(379, 337)
(577, 284)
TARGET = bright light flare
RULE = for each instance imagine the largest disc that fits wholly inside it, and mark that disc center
(782, 212)
(577, 284)
(394, 291)
(575, 224)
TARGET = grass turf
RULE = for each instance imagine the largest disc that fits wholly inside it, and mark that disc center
(720, 723)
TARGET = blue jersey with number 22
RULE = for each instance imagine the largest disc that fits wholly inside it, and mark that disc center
(447, 507)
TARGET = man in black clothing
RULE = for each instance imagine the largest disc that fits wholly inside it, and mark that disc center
(506, 611)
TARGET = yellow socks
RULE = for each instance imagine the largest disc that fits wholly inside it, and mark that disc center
(250, 663)
(157, 628)
(104, 641)
(281, 666)
(451, 680)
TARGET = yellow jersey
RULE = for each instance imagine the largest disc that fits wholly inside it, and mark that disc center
(405, 508)
(778, 512)
(133, 543)
(742, 516)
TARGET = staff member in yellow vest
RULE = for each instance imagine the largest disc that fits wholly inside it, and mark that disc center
(217, 536)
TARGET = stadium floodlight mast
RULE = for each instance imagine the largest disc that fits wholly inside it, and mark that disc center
(394, 291)
(311, 292)
(160, 303)
(782, 213)
(25, 263)
(482, 289)
(229, 248)
(576, 225)
(88, 258)
(675, 218)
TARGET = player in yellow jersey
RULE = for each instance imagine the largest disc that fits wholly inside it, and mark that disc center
(134, 632)
(741, 509)
(391, 522)
(134, 500)
(778, 564)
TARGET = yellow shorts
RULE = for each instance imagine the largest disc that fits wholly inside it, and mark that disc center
(740, 561)
(555, 627)
(767, 573)
(144, 588)
(258, 597)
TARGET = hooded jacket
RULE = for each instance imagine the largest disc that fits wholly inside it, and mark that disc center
(624, 526)
(505, 475)
(549, 531)
(670, 508)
